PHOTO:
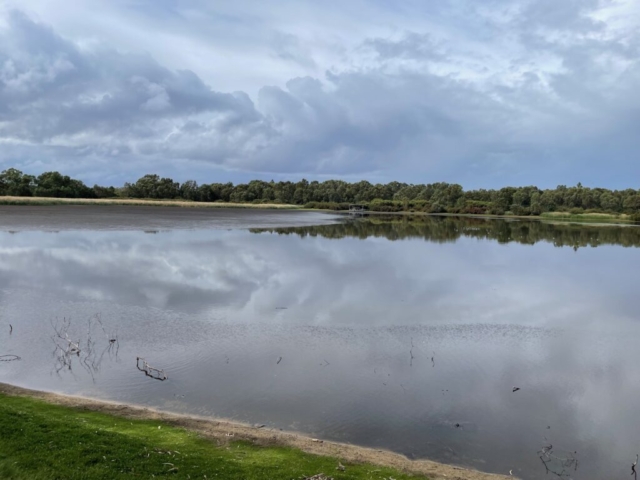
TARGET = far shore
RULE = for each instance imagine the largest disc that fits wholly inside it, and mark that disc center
(6, 200)
(593, 219)
(219, 430)
(564, 217)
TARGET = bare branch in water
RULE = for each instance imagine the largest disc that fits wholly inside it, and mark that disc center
(150, 371)
(560, 466)
(88, 355)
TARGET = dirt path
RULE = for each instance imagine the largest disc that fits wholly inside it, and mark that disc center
(223, 431)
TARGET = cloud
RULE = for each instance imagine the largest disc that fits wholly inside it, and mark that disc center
(524, 94)
(411, 46)
(288, 47)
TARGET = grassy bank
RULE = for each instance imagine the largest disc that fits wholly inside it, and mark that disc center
(588, 217)
(139, 202)
(43, 441)
(50, 436)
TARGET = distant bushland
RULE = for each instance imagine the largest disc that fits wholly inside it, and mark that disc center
(561, 202)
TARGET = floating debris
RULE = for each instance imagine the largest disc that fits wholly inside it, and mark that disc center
(150, 371)
(9, 358)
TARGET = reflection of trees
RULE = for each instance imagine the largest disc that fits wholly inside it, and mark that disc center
(450, 229)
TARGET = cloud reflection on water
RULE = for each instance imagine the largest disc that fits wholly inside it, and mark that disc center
(218, 308)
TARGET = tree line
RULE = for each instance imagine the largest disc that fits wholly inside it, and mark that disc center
(337, 194)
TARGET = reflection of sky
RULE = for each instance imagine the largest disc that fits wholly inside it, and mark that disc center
(326, 282)
(560, 324)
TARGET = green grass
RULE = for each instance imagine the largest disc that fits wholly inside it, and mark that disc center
(42, 441)
(587, 217)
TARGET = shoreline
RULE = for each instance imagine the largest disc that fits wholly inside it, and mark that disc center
(53, 201)
(595, 219)
(219, 429)
(605, 221)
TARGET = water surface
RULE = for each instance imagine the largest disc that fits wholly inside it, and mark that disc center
(406, 335)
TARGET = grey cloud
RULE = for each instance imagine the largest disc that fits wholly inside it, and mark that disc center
(566, 15)
(412, 46)
(544, 107)
(288, 47)
(51, 88)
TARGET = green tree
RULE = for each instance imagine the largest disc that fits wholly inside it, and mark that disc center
(610, 202)
(15, 183)
(189, 190)
(54, 184)
(632, 203)
(152, 186)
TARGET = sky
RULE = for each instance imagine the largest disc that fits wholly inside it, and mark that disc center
(485, 94)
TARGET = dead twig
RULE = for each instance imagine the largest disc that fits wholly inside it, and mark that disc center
(560, 466)
(89, 356)
(411, 354)
(65, 348)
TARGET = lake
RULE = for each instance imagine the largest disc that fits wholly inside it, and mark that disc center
(404, 334)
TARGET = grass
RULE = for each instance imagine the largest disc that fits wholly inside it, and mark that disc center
(6, 200)
(587, 217)
(41, 441)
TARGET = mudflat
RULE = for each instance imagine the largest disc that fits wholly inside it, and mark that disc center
(139, 217)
